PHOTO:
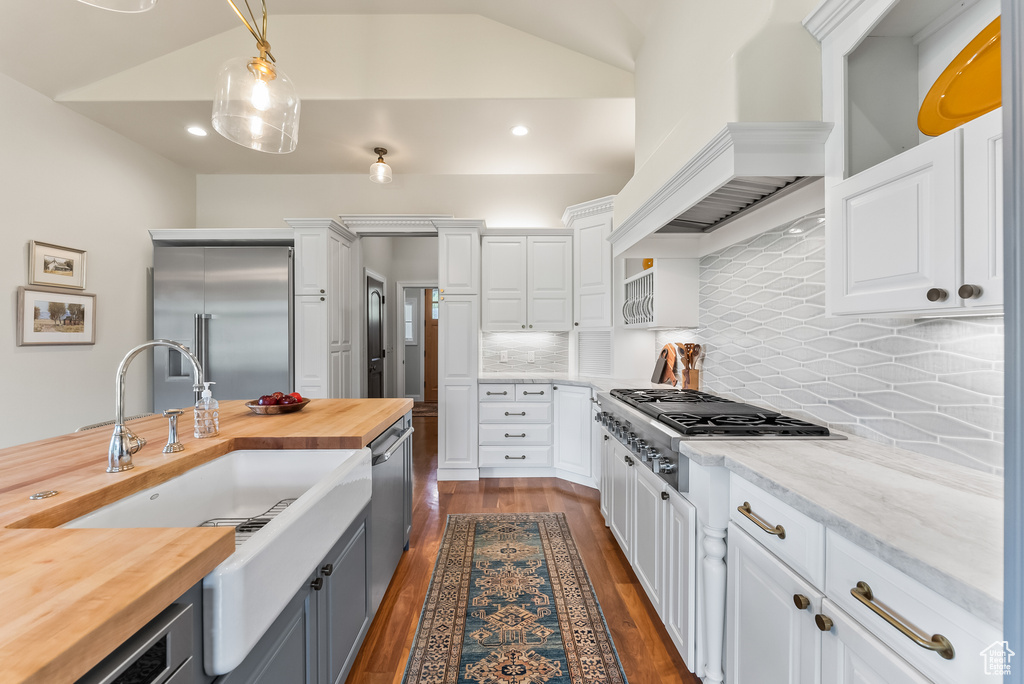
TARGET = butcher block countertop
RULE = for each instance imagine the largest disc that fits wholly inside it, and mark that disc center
(70, 596)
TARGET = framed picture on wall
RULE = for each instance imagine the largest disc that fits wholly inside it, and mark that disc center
(50, 315)
(56, 266)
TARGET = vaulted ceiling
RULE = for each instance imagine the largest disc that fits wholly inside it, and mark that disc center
(439, 87)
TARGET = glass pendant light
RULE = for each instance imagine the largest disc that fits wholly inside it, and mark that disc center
(379, 171)
(132, 6)
(255, 104)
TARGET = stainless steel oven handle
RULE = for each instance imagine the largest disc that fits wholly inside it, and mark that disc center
(394, 447)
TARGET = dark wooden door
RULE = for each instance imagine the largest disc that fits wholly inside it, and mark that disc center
(430, 306)
(374, 338)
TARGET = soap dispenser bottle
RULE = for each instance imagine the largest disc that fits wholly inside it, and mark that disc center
(207, 414)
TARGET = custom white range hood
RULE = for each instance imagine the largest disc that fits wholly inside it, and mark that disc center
(743, 167)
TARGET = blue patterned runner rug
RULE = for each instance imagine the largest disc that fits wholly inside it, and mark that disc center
(510, 603)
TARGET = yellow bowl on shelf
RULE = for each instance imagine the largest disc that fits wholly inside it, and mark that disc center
(970, 86)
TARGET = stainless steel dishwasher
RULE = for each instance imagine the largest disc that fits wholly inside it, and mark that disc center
(389, 500)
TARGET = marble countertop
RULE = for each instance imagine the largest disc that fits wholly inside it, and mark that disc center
(938, 522)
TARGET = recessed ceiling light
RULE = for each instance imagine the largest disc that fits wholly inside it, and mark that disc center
(520, 130)
(196, 130)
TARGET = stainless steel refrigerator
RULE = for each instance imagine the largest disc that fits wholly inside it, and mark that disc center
(232, 307)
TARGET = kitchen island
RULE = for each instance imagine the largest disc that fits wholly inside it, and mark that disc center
(70, 596)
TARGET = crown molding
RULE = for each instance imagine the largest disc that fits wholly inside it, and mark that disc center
(392, 224)
(584, 209)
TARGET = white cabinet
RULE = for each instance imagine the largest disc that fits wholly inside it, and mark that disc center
(771, 636)
(504, 283)
(458, 257)
(621, 504)
(913, 223)
(665, 295)
(573, 427)
(851, 655)
(311, 359)
(457, 343)
(607, 446)
(648, 519)
(679, 595)
(322, 309)
(527, 282)
(516, 428)
(549, 282)
(983, 210)
(591, 223)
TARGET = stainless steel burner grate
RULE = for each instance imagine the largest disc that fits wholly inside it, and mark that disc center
(246, 527)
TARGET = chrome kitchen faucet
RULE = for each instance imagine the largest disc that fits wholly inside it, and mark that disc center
(124, 442)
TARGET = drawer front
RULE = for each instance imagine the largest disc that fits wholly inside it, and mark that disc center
(908, 601)
(529, 434)
(495, 392)
(533, 392)
(802, 547)
(519, 412)
(518, 457)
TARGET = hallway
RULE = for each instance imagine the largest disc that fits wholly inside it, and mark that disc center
(644, 647)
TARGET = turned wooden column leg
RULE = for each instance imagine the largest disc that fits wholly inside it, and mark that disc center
(714, 602)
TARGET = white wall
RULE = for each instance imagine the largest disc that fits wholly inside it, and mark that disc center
(264, 201)
(66, 180)
(691, 81)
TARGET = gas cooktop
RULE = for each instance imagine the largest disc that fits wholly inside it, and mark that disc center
(700, 415)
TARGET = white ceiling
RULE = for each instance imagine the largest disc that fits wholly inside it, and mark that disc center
(456, 79)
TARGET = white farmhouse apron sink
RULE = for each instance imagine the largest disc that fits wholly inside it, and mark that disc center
(244, 594)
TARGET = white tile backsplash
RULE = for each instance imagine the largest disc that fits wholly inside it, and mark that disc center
(550, 352)
(934, 386)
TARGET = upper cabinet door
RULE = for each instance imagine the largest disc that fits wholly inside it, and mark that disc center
(893, 233)
(592, 271)
(310, 265)
(459, 261)
(504, 283)
(549, 282)
(983, 211)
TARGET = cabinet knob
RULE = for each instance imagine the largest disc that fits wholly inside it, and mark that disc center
(575, 323)
(801, 601)
(322, 299)
(323, 291)
(440, 289)
(937, 294)
(664, 496)
(327, 570)
(524, 325)
(969, 291)
(629, 461)
(317, 584)
(531, 325)
(824, 622)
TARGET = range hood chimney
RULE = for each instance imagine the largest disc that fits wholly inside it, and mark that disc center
(742, 168)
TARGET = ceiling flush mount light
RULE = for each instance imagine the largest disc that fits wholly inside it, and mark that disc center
(520, 130)
(802, 225)
(379, 171)
(131, 6)
(197, 130)
(255, 104)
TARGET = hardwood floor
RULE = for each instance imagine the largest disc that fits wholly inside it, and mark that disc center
(644, 647)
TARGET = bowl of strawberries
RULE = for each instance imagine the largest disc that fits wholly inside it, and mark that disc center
(277, 403)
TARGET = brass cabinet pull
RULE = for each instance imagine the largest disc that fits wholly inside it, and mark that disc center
(515, 458)
(508, 435)
(778, 530)
(936, 642)
(801, 601)
(499, 394)
(515, 414)
(824, 622)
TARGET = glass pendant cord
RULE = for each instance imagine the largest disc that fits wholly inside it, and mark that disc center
(260, 35)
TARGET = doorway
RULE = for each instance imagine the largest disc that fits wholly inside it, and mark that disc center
(416, 340)
(374, 336)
